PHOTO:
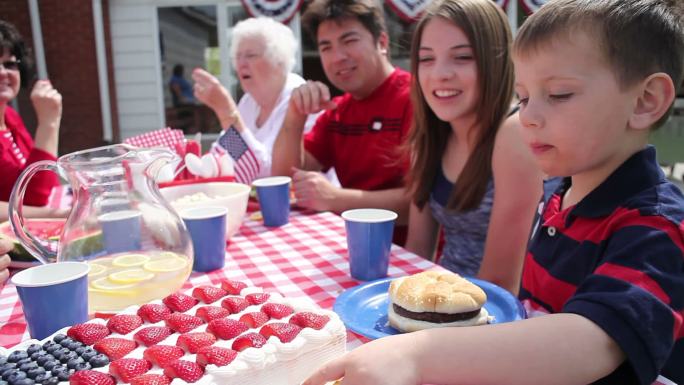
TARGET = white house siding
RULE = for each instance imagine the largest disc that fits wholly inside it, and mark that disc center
(140, 79)
(136, 66)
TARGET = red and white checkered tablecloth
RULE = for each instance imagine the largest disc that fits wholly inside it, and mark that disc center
(165, 137)
(307, 257)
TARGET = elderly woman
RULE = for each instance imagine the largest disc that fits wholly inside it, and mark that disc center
(263, 55)
(17, 148)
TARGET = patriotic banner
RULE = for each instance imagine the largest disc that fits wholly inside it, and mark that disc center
(411, 10)
(280, 10)
(501, 3)
(532, 6)
(246, 165)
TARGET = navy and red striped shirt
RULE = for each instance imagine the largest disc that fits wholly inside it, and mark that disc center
(617, 258)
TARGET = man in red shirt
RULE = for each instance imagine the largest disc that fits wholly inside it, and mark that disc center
(359, 133)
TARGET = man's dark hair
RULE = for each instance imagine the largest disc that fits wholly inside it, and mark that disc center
(178, 70)
(637, 37)
(12, 42)
(368, 12)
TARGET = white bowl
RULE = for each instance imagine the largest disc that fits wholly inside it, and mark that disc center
(233, 196)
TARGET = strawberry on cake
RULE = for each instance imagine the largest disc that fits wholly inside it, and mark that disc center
(231, 334)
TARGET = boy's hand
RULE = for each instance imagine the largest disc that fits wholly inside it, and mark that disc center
(48, 105)
(5, 247)
(311, 98)
(313, 190)
(385, 361)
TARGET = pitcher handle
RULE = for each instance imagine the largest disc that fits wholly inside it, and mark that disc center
(16, 216)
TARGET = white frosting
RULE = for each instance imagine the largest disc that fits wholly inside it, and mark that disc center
(310, 349)
(275, 363)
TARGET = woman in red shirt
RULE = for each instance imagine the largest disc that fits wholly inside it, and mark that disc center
(17, 148)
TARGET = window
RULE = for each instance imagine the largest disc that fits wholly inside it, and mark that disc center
(199, 36)
(188, 40)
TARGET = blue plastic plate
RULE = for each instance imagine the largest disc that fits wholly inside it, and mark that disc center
(363, 308)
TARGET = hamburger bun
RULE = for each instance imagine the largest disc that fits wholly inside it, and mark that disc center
(435, 299)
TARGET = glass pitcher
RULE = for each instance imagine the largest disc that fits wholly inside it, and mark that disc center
(136, 245)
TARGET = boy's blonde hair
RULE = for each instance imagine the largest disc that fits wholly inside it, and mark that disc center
(637, 37)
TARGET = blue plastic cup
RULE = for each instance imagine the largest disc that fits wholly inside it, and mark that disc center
(369, 240)
(207, 227)
(274, 199)
(53, 296)
(110, 205)
(121, 230)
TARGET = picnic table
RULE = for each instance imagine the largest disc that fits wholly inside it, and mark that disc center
(305, 258)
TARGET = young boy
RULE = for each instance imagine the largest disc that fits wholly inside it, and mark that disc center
(593, 77)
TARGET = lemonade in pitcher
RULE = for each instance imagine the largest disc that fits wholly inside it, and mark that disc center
(125, 279)
(137, 246)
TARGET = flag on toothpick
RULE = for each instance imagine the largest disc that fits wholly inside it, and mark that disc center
(246, 164)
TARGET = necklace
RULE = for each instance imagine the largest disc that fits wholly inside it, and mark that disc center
(18, 155)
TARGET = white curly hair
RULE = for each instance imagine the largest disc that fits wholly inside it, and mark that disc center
(281, 45)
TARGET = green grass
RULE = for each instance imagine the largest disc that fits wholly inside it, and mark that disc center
(669, 141)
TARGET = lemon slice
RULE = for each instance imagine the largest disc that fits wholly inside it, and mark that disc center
(130, 276)
(96, 269)
(165, 255)
(166, 265)
(113, 293)
(130, 260)
(105, 284)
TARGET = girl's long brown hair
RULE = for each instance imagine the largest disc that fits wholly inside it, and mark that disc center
(486, 27)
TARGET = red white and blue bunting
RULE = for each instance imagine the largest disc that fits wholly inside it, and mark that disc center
(410, 10)
(280, 10)
(532, 6)
(502, 3)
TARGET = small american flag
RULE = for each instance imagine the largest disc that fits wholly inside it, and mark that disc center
(246, 164)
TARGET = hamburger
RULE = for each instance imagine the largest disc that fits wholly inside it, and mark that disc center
(433, 299)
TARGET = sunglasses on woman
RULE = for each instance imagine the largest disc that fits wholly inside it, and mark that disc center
(10, 65)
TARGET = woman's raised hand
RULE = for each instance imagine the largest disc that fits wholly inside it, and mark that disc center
(48, 105)
(47, 102)
(210, 91)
